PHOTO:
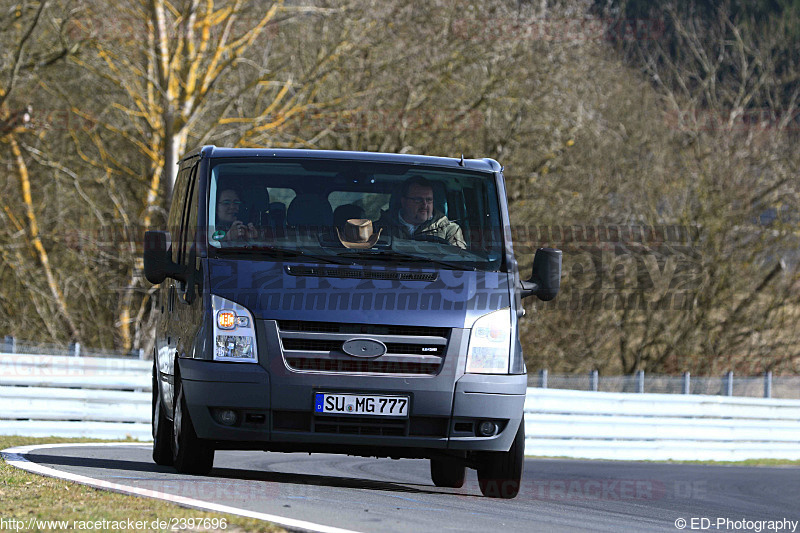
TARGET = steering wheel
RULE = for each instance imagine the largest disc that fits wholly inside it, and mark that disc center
(432, 238)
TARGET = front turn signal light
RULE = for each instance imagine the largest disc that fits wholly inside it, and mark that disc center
(226, 320)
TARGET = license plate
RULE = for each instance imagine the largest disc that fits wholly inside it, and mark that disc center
(360, 404)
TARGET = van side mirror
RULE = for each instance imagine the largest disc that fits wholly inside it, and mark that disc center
(158, 263)
(546, 276)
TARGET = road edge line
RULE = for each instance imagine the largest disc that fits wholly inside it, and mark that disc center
(16, 457)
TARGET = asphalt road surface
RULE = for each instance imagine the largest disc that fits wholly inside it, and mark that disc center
(388, 495)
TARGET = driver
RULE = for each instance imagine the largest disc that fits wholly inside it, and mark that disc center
(417, 219)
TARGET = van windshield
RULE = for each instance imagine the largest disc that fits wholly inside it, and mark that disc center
(356, 212)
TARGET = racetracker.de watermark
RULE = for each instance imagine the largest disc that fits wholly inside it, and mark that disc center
(159, 524)
(611, 267)
(611, 490)
(19, 369)
(85, 236)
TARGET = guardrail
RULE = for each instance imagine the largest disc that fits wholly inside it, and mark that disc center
(11, 345)
(605, 425)
(43, 395)
(46, 395)
(729, 384)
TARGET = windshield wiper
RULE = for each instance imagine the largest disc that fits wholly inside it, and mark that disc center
(393, 254)
(279, 250)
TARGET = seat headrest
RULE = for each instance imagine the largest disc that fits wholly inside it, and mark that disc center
(345, 212)
(309, 210)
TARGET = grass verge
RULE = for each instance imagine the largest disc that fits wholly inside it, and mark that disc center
(26, 496)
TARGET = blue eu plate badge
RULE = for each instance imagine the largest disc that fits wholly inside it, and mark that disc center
(319, 400)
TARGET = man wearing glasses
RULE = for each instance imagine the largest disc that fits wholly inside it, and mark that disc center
(417, 219)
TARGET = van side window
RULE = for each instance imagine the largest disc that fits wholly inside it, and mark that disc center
(189, 232)
(176, 210)
(188, 228)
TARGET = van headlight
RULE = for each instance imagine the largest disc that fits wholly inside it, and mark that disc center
(490, 344)
(234, 332)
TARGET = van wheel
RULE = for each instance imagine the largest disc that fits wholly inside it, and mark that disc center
(162, 428)
(500, 473)
(448, 473)
(190, 455)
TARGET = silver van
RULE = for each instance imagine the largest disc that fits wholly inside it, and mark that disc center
(342, 302)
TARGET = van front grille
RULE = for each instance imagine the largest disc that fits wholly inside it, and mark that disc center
(319, 347)
(348, 425)
(362, 366)
(361, 329)
(314, 345)
(415, 426)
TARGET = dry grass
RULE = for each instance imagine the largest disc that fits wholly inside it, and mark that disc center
(25, 496)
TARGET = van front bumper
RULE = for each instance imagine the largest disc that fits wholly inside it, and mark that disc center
(276, 413)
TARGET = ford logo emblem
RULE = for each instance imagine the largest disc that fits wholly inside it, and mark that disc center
(364, 348)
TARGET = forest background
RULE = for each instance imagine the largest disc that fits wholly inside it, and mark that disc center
(655, 143)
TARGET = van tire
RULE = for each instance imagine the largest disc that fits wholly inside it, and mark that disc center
(162, 428)
(448, 473)
(500, 473)
(190, 455)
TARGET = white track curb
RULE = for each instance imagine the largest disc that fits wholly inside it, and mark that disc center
(15, 457)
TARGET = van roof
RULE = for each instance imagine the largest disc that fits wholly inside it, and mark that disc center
(485, 164)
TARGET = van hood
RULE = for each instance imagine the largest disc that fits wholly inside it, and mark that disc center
(275, 290)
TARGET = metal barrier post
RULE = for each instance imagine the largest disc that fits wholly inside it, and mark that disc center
(593, 378)
(543, 378)
(768, 384)
(640, 381)
(729, 383)
(10, 344)
(75, 349)
(687, 382)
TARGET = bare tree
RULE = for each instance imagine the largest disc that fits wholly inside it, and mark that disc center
(168, 76)
(720, 167)
(14, 123)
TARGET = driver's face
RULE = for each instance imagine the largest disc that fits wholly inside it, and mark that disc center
(228, 206)
(417, 205)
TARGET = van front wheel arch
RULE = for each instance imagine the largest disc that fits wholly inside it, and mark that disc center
(500, 473)
(162, 427)
(190, 454)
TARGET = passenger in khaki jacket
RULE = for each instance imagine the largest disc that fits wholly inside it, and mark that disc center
(417, 219)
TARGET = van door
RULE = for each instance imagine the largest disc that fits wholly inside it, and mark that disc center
(188, 308)
(172, 292)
